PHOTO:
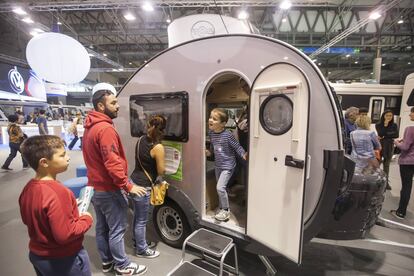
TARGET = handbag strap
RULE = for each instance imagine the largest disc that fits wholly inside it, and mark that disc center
(139, 160)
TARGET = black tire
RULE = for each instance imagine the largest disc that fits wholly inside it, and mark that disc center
(171, 223)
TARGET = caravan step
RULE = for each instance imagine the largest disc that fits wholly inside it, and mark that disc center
(189, 269)
(210, 242)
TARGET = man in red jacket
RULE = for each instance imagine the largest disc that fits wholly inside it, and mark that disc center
(49, 210)
(107, 172)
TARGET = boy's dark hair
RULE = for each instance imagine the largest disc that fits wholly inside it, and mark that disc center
(363, 110)
(12, 118)
(40, 146)
(42, 112)
(99, 97)
(224, 117)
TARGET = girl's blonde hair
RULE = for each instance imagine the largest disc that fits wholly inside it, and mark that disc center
(363, 122)
(221, 112)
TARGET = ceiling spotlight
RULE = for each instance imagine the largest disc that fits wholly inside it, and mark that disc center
(168, 20)
(91, 46)
(372, 73)
(130, 63)
(121, 69)
(28, 20)
(284, 19)
(408, 63)
(383, 64)
(243, 15)
(374, 15)
(348, 55)
(114, 70)
(59, 23)
(319, 64)
(19, 11)
(285, 5)
(129, 16)
(400, 21)
(356, 62)
(105, 54)
(329, 73)
(148, 7)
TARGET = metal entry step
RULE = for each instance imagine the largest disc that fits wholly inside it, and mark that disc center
(214, 248)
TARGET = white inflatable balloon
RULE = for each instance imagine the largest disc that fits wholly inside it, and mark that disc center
(58, 58)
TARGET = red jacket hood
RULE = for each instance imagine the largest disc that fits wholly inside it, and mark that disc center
(95, 117)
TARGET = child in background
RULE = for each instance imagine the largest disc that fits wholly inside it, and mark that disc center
(50, 212)
(225, 147)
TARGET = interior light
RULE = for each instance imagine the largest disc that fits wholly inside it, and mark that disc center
(356, 62)
(19, 11)
(91, 46)
(105, 54)
(372, 73)
(129, 16)
(348, 55)
(59, 23)
(28, 20)
(114, 70)
(168, 20)
(121, 69)
(284, 19)
(243, 15)
(285, 5)
(147, 7)
(38, 30)
(319, 64)
(130, 63)
(383, 64)
(400, 21)
(374, 15)
(329, 73)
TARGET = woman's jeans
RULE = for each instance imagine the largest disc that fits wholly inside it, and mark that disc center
(141, 208)
(223, 177)
(14, 148)
(76, 265)
(406, 172)
(111, 222)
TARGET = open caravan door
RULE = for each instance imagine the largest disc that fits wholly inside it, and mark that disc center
(278, 162)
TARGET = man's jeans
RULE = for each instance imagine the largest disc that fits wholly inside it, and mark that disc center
(111, 221)
(223, 177)
(141, 208)
(76, 265)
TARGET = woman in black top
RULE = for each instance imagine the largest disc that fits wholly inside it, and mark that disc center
(149, 155)
(387, 130)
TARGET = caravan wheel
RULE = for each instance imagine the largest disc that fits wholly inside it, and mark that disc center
(171, 224)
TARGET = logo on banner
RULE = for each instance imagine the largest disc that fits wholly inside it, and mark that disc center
(202, 29)
(16, 81)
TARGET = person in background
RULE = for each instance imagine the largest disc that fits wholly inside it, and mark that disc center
(351, 114)
(364, 142)
(16, 137)
(406, 162)
(20, 116)
(387, 131)
(74, 129)
(363, 111)
(107, 168)
(225, 147)
(50, 212)
(41, 122)
(150, 153)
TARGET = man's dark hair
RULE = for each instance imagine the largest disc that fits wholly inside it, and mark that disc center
(40, 146)
(12, 118)
(99, 97)
(363, 110)
(42, 112)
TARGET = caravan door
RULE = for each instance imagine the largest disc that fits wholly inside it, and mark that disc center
(279, 112)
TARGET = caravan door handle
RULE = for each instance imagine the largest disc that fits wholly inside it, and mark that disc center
(292, 162)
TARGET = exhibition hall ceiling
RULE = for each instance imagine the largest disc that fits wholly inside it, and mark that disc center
(121, 35)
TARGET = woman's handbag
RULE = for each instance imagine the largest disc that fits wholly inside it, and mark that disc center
(159, 190)
(397, 150)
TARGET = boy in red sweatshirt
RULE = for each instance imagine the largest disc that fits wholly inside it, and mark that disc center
(49, 210)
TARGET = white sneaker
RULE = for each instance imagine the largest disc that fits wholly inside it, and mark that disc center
(131, 269)
(149, 253)
(222, 215)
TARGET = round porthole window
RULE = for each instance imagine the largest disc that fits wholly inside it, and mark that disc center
(276, 114)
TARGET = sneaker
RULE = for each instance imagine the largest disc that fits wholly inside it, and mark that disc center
(150, 244)
(397, 214)
(388, 187)
(131, 269)
(222, 215)
(6, 168)
(149, 254)
(107, 267)
(26, 167)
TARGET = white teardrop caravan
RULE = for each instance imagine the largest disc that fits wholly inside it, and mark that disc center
(296, 161)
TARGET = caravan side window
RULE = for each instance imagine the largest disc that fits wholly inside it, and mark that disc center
(173, 106)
